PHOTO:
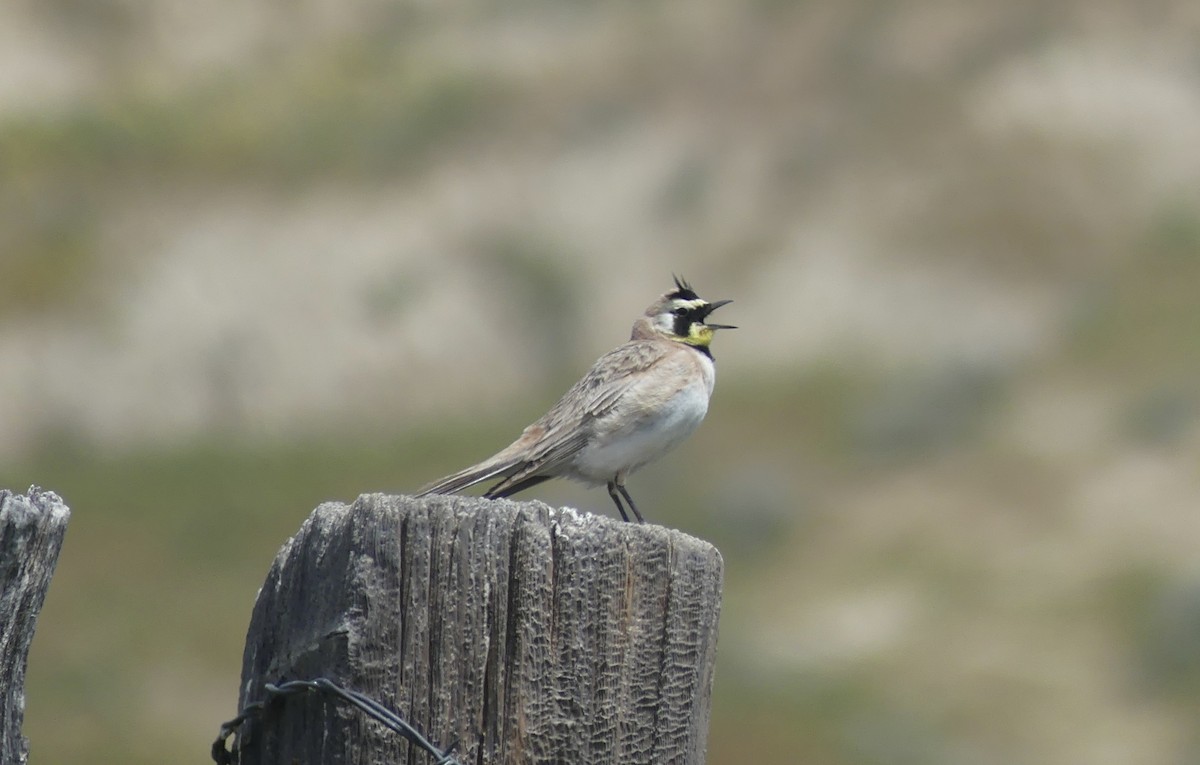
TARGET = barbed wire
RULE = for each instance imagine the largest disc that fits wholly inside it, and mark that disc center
(369, 706)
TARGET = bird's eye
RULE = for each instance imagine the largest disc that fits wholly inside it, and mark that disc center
(677, 312)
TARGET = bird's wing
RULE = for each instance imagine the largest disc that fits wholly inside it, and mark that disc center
(557, 436)
(551, 442)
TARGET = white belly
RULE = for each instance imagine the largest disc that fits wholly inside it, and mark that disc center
(623, 450)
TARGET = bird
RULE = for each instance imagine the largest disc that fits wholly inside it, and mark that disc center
(637, 402)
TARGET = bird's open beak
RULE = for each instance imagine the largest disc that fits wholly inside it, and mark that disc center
(712, 307)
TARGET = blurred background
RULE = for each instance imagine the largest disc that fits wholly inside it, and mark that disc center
(255, 256)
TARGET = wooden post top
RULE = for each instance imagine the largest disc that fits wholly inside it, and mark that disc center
(526, 633)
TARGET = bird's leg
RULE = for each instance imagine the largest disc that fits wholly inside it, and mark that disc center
(612, 492)
(629, 501)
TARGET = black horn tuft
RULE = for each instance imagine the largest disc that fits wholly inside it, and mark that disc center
(683, 290)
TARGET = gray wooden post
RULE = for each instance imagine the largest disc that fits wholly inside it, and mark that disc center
(524, 633)
(32, 527)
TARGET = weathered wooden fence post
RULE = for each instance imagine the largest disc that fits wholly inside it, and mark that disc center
(32, 527)
(526, 634)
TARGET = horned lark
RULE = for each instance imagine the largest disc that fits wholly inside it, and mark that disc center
(636, 403)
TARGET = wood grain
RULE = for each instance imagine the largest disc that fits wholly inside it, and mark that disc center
(527, 634)
(32, 527)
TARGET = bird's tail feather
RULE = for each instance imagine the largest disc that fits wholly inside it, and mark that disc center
(514, 484)
(496, 467)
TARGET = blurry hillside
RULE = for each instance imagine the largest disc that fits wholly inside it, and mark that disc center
(256, 256)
